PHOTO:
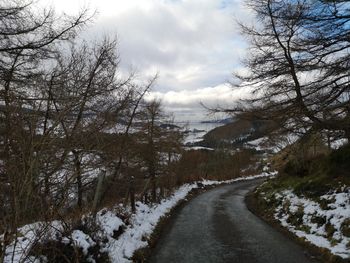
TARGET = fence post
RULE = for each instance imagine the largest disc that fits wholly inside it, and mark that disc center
(132, 193)
(98, 191)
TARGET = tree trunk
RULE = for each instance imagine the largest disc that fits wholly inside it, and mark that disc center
(153, 184)
(98, 192)
(132, 194)
(77, 164)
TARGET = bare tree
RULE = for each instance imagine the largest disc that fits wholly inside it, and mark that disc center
(152, 132)
(160, 144)
(298, 64)
(28, 40)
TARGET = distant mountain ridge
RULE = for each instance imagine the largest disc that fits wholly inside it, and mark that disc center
(223, 121)
(237, 132)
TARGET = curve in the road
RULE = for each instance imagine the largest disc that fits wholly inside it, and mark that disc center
(217, 227)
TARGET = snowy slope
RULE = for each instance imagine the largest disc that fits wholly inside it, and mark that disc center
(324, 223)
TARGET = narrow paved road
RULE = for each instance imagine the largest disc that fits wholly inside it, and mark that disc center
(217, 227)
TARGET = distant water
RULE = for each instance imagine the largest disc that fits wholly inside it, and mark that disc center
(192, 126)
(191, 120)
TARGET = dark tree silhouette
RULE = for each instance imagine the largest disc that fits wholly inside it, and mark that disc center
(299, 64)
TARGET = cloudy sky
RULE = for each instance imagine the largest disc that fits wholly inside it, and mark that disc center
(194, 45)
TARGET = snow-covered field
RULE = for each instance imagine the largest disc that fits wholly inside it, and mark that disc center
(324, 222)
(274, 146)
(120, 238)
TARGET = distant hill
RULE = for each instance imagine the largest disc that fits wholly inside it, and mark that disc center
(222, 121)
(238, 132)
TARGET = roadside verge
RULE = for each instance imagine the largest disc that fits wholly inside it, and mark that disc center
(258, 207)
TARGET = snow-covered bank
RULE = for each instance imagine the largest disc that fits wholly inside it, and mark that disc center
(117, 232)
(141, 226)
(262, 175)
(324, 222)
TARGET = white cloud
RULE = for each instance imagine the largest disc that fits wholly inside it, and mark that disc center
(191, 43)
(223, 95)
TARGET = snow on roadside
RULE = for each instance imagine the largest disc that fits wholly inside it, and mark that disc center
(120, 239)
(28, 235)
(336, 144)
(82, 240)
(262, 175)
(323, 226)
(198, 148)
(108, 222)
(142, 225)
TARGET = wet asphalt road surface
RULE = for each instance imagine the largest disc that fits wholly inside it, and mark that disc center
(216, 226)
